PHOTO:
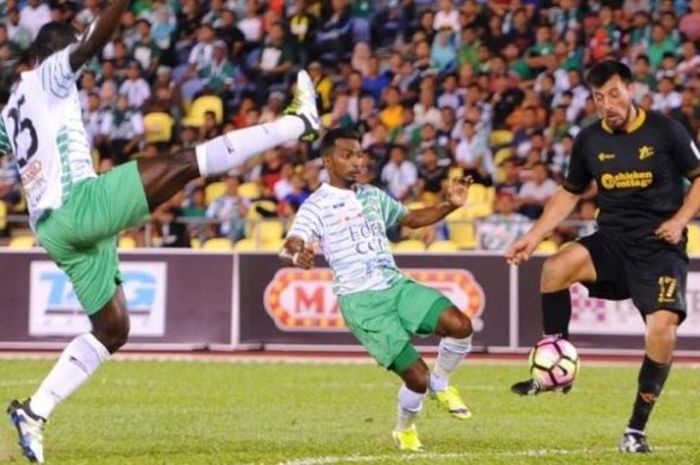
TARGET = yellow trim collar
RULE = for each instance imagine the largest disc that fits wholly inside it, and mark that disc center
(636, 124)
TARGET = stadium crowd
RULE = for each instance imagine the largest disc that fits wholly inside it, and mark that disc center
(437, 89)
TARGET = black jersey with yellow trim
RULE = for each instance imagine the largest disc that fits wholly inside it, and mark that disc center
(639, 171)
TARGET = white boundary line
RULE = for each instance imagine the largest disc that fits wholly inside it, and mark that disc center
(434, 456)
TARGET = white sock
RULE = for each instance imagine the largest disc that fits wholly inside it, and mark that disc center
(224, 153)
(410, 404)
(451, 351)
(77, 363)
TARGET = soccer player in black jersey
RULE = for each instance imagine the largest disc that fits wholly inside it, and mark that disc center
(638, 160)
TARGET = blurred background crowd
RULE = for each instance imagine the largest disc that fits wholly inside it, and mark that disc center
(437, 90)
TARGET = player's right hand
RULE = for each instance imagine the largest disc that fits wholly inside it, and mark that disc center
(304, 258)
(521, 250)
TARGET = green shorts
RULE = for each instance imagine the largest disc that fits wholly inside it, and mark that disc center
(80, 236)
(384, 321)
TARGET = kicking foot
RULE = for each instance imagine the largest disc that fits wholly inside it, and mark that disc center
(30, 429)
(304, 106)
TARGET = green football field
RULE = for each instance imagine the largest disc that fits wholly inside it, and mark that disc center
(308, 414)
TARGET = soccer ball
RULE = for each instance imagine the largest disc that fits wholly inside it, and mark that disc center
(554, 363)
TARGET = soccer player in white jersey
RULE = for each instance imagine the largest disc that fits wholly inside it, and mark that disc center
(382, 307)
(76, 215)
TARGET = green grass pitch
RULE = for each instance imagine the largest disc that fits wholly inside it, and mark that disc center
(221, 413)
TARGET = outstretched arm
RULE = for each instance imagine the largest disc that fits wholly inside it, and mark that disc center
(98, 34)
(457, 196)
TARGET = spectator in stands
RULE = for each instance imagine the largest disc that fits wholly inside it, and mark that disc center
(509, 179)
(399, 175)
(392, 114)
(536, 192)
(498, 230)
(473, 155)
(173, 233)
(667, 98)
(35, 14)
(230, 211)
(145, 50)
(323, 85)
(19, 34)
(124, 130)
(135, 88)
(333, 39)
(431, 177)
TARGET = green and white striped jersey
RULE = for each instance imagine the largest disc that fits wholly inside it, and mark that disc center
(42, 126)
(350, 226)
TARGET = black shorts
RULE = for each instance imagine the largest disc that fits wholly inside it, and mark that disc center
(651, 272)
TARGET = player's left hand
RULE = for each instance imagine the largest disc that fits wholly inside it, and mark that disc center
(670, 231)
(458, 191)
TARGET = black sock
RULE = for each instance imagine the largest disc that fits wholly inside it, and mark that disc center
(556, 313)
(652, 377)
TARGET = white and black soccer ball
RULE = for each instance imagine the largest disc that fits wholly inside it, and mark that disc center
(554, 363)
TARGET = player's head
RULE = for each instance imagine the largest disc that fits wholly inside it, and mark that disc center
(343, 156)
(612, 88)
(52, 37)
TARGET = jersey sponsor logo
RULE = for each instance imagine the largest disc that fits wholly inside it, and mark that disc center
(303, 300)
(627, 180)
(602, 156)
(54, 309)
(31, 171)
(645, 151)
(368, 237)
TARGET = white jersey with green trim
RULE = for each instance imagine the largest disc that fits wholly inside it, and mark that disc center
(42, 126)
(350, 226)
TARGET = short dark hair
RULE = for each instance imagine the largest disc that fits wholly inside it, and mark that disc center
(328, 141)
(52, 37)
(602, 72)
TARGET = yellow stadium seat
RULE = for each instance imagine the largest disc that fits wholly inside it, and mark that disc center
(246, 245)
(266, 230)
(195, 243)
(203, 104)
(3, 215)
(249, 190)
(547, 246)
(127, 243)
(217, 243)
(158, 126)
(408, 245)
(213, 191)
(479, 210)
(693, 238)
(462, 233)
(443, 246)
(22, 242)
(460, 214)
(501, 155)
(272, 245)
(500, 137)
(478, 193)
